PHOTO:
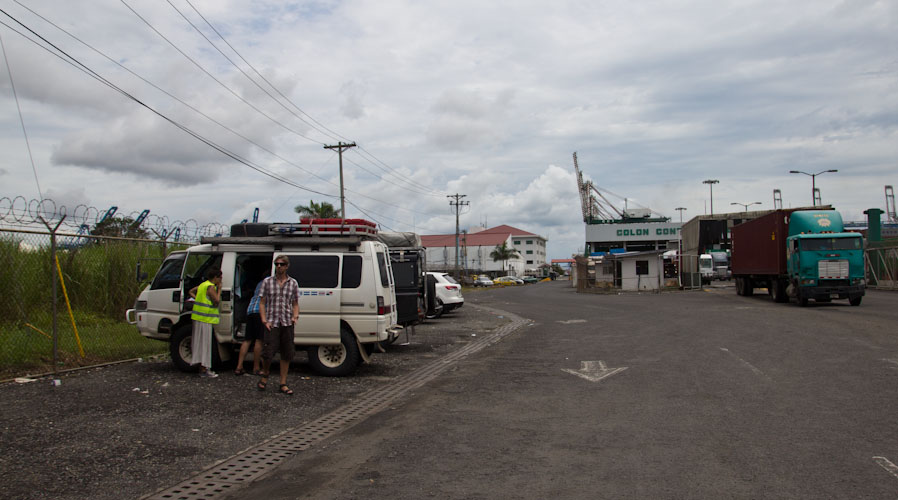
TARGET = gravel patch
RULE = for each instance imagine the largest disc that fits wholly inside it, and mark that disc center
(128, 430)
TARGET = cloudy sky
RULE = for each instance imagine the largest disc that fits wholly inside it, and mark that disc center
(234, 101)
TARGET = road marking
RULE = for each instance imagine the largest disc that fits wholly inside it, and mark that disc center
(746, 363)
(893, 361)
(887, 465)
(594, 370)
(570, 321)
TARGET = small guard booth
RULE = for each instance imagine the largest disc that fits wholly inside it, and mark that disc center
(636, 271)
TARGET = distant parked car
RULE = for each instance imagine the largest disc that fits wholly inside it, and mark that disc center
(530, 279)
(483, 280)
(508, 281)
(447, 294)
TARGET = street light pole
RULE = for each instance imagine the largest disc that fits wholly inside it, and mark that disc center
(813, 182)
(746, 205)
(710, 183)
(680, 209)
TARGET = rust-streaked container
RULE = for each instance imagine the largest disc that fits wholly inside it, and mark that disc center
(759, 245)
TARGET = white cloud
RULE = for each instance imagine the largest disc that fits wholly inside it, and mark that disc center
(462, 97)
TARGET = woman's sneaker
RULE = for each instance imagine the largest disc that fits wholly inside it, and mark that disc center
(208, 374)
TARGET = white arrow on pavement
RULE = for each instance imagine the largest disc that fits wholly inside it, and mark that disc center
(594, 370)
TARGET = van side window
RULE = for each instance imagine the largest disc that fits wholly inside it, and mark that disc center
(169, 276)
(352, 271)
(315, 271)
(382, 264)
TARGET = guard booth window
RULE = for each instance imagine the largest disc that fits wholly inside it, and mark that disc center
(642, 267)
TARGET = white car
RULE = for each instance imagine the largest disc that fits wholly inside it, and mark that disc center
(447, 293)
(483, 280)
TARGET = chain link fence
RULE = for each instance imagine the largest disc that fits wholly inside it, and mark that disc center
(64, 298)
(882, 267)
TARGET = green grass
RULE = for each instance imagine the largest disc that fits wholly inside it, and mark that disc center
(25, 350)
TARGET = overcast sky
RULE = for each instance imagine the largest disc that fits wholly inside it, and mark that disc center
(485, 99)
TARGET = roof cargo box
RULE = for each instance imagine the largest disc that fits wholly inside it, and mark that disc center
(250, 229)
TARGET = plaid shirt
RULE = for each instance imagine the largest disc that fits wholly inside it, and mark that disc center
(254, 302)
(279, 300)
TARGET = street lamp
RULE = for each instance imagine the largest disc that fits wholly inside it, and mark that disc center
(680, 209)
(746, 205)
(710, 183)
(813, 182)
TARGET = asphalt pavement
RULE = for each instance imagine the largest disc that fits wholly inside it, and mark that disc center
(700, 394)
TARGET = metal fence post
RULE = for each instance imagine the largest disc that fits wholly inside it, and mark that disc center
(53, 280)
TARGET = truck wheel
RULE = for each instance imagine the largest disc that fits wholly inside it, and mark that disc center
(802, 301)
(778, 291)
(336, 360)
(179, 347)
(856, 301)
(740, 285)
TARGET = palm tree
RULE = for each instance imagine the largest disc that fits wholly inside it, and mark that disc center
(323, 210)
(503, 252)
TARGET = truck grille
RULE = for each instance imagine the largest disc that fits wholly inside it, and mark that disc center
(832, 269)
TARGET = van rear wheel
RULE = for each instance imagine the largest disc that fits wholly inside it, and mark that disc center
(336, 360)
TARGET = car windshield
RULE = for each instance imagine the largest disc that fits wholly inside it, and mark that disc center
(828, 244)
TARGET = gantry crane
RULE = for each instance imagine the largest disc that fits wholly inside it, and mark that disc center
(597, 208)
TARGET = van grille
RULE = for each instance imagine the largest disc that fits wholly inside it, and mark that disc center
(832, 269)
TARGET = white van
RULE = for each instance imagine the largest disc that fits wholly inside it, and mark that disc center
(347, 296)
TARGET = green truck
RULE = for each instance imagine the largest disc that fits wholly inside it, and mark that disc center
(799, 253)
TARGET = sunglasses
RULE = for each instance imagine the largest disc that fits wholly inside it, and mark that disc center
(280, 264)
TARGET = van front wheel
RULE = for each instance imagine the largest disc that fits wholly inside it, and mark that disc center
(336, 360)
(179, 347)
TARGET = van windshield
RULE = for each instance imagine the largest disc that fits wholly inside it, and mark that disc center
(828, 244)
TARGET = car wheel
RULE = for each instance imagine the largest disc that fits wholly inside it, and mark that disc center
(438, 309)
(336, 360)
(179, 347)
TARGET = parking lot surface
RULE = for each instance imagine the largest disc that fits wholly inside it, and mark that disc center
(128, 430)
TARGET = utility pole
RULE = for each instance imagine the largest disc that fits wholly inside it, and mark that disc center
(340, 147)
(457, 204)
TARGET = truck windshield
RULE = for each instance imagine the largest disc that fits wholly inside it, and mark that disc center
(828, 244)
(705, 263)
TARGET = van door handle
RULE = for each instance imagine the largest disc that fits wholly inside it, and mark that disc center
(176, 296)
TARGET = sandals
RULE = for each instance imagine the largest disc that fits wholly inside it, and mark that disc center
(263, 382)
(286, 390)
(239, 372)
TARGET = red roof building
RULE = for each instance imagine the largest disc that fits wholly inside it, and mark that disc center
(476, 245)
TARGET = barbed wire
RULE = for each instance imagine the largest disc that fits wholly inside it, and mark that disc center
(21, 212)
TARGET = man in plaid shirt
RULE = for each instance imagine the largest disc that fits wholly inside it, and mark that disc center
(279, 308)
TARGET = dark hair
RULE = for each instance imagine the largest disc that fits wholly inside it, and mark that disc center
(212, 273)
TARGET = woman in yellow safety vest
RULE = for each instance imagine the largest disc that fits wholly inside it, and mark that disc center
(206, 297)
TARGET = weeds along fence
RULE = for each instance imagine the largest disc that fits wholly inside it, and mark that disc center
(96, 282)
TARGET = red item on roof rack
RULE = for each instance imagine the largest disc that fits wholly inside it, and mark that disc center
(326, 227)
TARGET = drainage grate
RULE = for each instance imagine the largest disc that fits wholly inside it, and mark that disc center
(240, 469)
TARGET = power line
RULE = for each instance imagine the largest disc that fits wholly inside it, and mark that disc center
(373, 159)
(219, 82)
(12, 84)
(82, 67)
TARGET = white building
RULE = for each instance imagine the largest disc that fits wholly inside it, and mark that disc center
(476, 246)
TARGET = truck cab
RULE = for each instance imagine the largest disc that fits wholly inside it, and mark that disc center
(347, 294)
(823, 262)
(706, 267)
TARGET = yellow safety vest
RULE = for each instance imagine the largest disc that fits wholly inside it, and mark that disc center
(203, 310)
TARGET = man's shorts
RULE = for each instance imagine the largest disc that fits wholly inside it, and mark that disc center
(255, 330)
(279, 339)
